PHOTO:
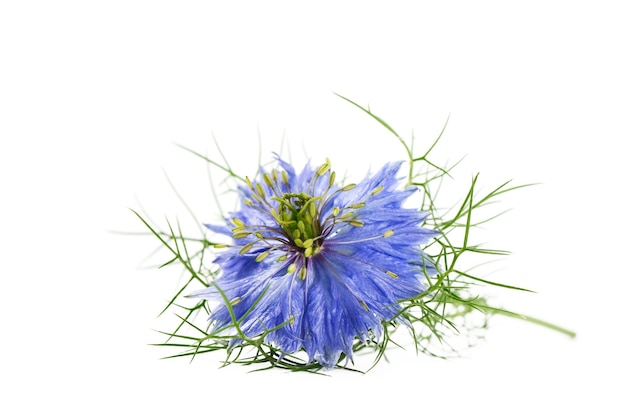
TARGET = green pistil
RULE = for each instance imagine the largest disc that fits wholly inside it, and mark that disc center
(297, 216)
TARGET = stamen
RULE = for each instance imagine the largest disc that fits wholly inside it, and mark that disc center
(392, 274)
(388, 233)
(331, 180)
(333, 242)
(235, 301)
(322, 169)
(378, 190)
(274, 214)
(345, 216)
(263, 256)
(302, 273)
(357, 205)
(356, 223)
(268, 181)
(245, 249)
(348, 187)
(260, 190)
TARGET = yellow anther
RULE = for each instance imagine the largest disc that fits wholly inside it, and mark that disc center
(364, 305)
(245, 249)
(298, 242)
(323, 169)
(335, 211)
(313, 209)
(357, 205)
(390, 273)
(248, 202)
(331, 180)
(356, 223)
(285, 177)
(282, 258)
(307, 243)
(249, 183)
(259, 235)
(240, 235)
(296, 234)
(308, 251)
(388, 233)
(235, 301)
(301, 226)
(268, 181)
(302, 273)
(238, 222)
(260, 190)
(220, 246)
(378, 190)
(348, 187)
(291, 268)
(262, 256)
(291, 320)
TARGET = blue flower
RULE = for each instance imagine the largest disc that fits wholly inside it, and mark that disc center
(319, 265)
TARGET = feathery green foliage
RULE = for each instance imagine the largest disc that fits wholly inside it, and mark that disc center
(451, 307)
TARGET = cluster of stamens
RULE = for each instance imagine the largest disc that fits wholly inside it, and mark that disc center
(301, 229)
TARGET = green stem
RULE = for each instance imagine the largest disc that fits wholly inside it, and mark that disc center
(536, 321)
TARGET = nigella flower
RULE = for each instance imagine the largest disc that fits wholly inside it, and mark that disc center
(319, 265)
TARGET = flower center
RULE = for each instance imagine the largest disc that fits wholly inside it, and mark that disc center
(299, 226)
(298, 217)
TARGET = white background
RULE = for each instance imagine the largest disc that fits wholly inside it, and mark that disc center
(94, 94)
